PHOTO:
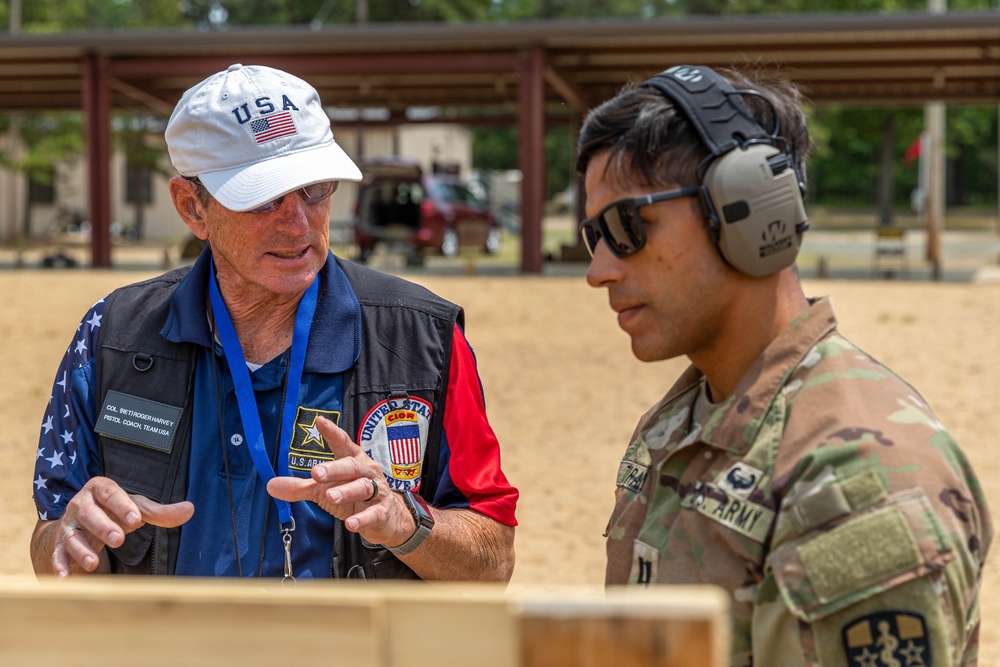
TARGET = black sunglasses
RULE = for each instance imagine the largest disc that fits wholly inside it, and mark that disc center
(620, 225)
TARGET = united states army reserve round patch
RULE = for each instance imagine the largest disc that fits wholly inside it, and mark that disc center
(394, 433)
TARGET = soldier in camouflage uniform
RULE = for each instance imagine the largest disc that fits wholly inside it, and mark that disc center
(786, 465)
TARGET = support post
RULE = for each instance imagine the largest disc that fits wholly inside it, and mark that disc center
(97, 117)
(531, 135)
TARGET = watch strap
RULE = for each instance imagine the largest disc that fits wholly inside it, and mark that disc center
(423, 520)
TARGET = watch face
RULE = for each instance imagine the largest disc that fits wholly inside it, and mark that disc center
(419, 500)
(418, 506)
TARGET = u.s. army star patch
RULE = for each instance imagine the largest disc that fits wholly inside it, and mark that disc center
(308, 446)
(887, 639)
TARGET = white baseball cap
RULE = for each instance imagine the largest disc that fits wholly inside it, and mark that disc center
(251, 134)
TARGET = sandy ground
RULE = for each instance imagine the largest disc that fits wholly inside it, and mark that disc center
(563, 393)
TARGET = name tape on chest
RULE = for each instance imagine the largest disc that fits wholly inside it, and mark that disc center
(631, 475)
(139, 421)
(739, 514)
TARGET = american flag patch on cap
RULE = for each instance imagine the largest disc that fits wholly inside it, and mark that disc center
(272, 127)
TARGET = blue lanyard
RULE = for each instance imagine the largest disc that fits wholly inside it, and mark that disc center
(244, 389)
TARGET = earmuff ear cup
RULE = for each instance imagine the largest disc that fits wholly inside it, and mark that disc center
(755, 194)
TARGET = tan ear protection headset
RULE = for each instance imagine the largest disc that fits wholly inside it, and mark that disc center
(751, 193)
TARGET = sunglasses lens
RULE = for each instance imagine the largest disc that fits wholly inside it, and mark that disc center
(266, 208)
(624, 230)
(319, 191)
(591, 235)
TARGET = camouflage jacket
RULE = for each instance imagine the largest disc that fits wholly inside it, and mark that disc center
(824, 495)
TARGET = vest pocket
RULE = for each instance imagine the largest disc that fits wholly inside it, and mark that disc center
(135, 468)
(136, 546)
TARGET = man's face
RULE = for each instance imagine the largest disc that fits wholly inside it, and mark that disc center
(673, 295)
(267, 255)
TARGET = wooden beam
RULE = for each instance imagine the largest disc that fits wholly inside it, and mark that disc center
(124, 621)
(155, 103)
(572, 93)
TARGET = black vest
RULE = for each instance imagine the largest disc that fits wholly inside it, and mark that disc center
(406, 338)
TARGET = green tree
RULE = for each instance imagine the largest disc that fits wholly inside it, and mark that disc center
(49, 16)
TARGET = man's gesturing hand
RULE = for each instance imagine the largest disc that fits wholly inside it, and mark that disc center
(343, 487)
(102, 514)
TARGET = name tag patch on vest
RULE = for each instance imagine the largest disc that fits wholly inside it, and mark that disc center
(308, 446)
(139, 421)
(394, 433)
(733, 512)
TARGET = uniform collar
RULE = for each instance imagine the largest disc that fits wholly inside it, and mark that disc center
(335, 339)
(736, 423)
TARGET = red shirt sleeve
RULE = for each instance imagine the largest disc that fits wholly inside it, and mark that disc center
(474, 463)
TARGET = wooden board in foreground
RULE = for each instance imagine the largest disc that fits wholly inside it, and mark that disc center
(125, 621)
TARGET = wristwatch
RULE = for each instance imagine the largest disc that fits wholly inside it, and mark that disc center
(421, 516)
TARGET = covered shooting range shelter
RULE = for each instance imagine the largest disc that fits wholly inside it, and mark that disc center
(529, 74)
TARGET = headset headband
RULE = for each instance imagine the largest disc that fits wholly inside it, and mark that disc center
(721, 118)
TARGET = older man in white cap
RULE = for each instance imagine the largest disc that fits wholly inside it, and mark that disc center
(272, 410)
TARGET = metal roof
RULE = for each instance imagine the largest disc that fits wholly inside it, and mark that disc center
(528, 73)
(877, 59)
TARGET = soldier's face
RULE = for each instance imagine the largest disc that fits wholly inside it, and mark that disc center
(672, 296)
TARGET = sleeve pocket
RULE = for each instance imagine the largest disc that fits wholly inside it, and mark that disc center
(892, 543)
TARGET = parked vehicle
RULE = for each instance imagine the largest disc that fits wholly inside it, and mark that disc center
(399, 204)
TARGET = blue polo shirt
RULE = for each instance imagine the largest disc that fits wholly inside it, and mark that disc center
(232, 509)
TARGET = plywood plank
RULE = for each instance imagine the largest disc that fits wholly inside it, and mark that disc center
(115, 621)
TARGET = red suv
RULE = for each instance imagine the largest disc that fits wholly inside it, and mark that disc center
(397, 203)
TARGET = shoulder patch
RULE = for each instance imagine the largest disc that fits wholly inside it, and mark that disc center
(887, 639)
(394, 433)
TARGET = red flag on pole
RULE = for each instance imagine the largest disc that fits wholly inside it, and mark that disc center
(913, 152)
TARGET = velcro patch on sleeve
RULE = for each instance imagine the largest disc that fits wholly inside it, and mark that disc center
(864, 490)
(860, 553)
(837, 500)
